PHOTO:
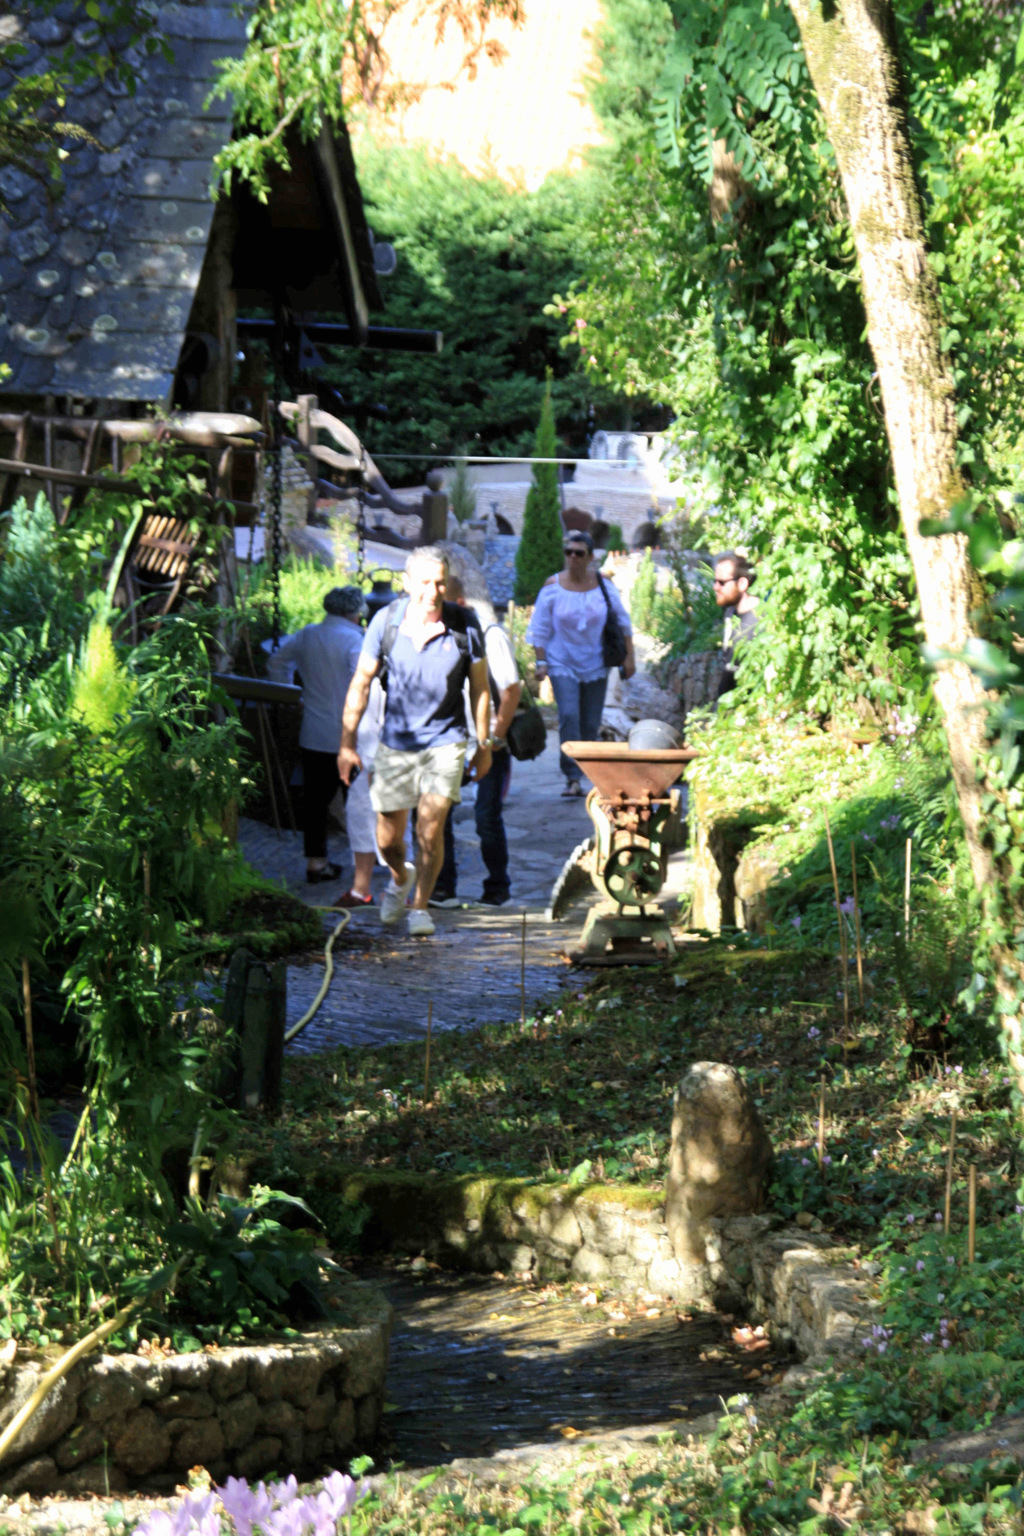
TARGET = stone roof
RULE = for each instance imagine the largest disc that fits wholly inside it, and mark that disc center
(96, 283)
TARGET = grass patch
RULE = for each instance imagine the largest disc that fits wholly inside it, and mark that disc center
(583, 1093)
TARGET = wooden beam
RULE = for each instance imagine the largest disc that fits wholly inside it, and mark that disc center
(104, 482)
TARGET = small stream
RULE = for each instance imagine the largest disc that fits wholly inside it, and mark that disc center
(481, 1365)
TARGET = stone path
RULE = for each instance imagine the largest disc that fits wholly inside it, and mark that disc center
(485, 1366)
(471, 969)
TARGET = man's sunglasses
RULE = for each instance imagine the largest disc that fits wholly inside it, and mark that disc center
(574, 551)
(725, 581)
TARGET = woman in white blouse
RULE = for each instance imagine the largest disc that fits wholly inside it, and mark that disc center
(565, 631)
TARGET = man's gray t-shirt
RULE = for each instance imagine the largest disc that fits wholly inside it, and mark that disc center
(424, 704)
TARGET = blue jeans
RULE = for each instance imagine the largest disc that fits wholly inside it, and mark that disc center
(580, 706)
(490, 829)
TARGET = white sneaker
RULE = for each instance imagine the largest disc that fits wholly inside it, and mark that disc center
(421, 924)
(392, 903)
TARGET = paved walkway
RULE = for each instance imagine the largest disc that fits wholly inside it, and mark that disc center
(471, 968)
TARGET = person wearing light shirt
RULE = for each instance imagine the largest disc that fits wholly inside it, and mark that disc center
(325, 655)
(566, 632)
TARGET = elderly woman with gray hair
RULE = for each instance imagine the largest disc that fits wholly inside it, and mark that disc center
(325, 656)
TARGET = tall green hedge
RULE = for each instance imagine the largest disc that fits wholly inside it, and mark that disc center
(479, 261)
(540, 549)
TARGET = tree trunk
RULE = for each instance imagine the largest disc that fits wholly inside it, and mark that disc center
(854, 66)
(852, 56)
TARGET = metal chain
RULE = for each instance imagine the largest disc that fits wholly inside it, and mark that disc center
(361, 519)
(276, 449)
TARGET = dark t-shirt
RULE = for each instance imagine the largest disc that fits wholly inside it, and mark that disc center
(424, 702)
(738, 628)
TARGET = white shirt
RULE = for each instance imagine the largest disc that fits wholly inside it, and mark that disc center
(325, 655)
(569, 625)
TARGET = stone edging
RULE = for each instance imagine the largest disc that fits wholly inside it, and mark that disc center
(616, 1236)
(120, 1421)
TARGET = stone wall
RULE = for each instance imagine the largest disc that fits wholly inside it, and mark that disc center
(124, 1421)
(616, 1237)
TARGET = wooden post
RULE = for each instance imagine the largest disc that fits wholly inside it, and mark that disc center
(856, 924)
(949, 1173)
(844, 958)
(972, 1210)
(308, 436)
(426, 1068)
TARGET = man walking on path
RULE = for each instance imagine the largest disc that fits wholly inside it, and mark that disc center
(424, 650)
(325, 656)
(734, 577)
(505, 688)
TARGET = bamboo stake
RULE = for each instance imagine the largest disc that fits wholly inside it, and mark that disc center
(426, 1068)
(856, 924)
(73, 1355)
(30, 1042)
(972, 1210)
(949, 1173)
(842, 926)
(522, 975)
(906, 897)
(821, 1126)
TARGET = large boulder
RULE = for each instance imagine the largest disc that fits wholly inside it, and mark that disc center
(719, 1159)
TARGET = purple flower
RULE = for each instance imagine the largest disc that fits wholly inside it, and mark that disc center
(927, 1338)
(797, 922)
(910, 1219)
(847, 907)
(805, 1162)
(245, 1506)
(919, 1265)
(191, 1515)
(945, 1343)
(826, 1160)
(938, 1215)
(941, 1297)
(813, 1034)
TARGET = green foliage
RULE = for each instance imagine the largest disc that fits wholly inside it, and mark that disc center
(539, 554)
(463, 496)
(478, 260)
(643, 593)
(753, 328)
(242, 1257)
(311, 63)
(304, 584)
(102, 689)
(615, 542)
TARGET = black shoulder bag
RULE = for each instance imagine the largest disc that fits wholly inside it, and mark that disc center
(613, 640)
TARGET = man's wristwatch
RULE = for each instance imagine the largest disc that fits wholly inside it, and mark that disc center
(493, 742)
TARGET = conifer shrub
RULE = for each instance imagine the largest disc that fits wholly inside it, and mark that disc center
(540, 549)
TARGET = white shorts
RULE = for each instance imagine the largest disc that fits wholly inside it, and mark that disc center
(400, 778)
(360, 817)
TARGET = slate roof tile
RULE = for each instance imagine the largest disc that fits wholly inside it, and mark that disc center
(122, 242)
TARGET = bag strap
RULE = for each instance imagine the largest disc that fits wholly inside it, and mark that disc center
(604, 594)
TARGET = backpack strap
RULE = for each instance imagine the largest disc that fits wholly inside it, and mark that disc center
(454, 618)
(396, 613)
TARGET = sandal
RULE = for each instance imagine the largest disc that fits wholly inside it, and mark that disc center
(573, 790)
(353, 899)
(323, 876)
